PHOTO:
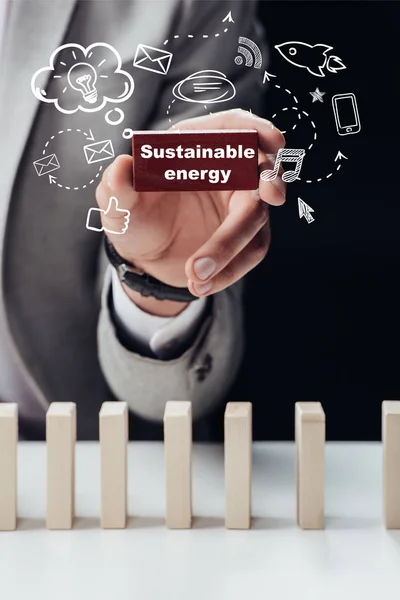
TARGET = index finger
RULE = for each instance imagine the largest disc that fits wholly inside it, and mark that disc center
(269, 137)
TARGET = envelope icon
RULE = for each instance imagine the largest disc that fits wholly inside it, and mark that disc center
(46, 165)
(98, 151)
(152, 59)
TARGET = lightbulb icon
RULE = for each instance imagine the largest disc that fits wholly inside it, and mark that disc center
(82, 78)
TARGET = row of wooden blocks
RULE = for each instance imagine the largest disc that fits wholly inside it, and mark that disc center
(113, 417)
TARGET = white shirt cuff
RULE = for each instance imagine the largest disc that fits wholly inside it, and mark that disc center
(164, 335)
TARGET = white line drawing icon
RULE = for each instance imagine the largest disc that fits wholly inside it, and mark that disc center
(228, 18)
(82, 78)
(117, 213)
(46, 165)
(345, 110)
(317, 96)
(250, 52)
(337, 168)
(267, 76)
(54, 161)
(98, 151)
(152, 59)
(81, 72)
(205, 87)
(305, 211)
(313, 58)
(128, 133)
(121, 117)
(285, 155)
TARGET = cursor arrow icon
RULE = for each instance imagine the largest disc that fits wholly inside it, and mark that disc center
(339, 156)
(305, 211)
(228, 18)
(52, 179)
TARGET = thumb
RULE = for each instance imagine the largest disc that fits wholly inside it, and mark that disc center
(112, 206)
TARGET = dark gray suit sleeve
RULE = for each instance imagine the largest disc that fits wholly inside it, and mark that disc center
(206, 370)
(202, 374)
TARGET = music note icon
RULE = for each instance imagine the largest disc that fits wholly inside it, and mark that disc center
(285, 155)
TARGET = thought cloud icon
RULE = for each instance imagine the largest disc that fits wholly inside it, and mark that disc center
(205, 87)
(79, 78)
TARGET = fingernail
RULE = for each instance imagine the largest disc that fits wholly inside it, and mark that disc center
(204, 267)
(202, 288)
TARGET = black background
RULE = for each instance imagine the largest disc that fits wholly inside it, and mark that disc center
(328, 292)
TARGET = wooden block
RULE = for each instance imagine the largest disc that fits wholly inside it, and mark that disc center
(113, 428)
(391, 463)
(310, 446)
(238, 447)
(195, 160)
(8, 466)
(178, 464)
(60, 438)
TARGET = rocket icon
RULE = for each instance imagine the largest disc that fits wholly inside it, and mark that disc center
(313, 58)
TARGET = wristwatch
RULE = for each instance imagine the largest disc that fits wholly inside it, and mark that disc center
(136, 279)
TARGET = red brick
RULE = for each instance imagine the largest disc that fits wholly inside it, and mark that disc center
(149, 173)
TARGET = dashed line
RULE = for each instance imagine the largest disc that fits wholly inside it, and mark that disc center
(322, 178)
(191, 37)
(299, 117)
(287, 91)
(59, 133)
(66, 187)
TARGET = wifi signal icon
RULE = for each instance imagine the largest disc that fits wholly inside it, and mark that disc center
(250, 52)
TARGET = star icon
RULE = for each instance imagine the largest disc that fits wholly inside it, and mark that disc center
(317, 95)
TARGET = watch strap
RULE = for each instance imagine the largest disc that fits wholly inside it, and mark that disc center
(143, 283)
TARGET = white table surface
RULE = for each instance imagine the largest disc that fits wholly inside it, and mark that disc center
(353, 558)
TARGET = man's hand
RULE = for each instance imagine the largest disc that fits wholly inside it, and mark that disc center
(203, 240)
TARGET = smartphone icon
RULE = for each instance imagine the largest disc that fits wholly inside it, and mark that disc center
(346, 114)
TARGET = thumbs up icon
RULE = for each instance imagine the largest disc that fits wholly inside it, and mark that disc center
(119, 217)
